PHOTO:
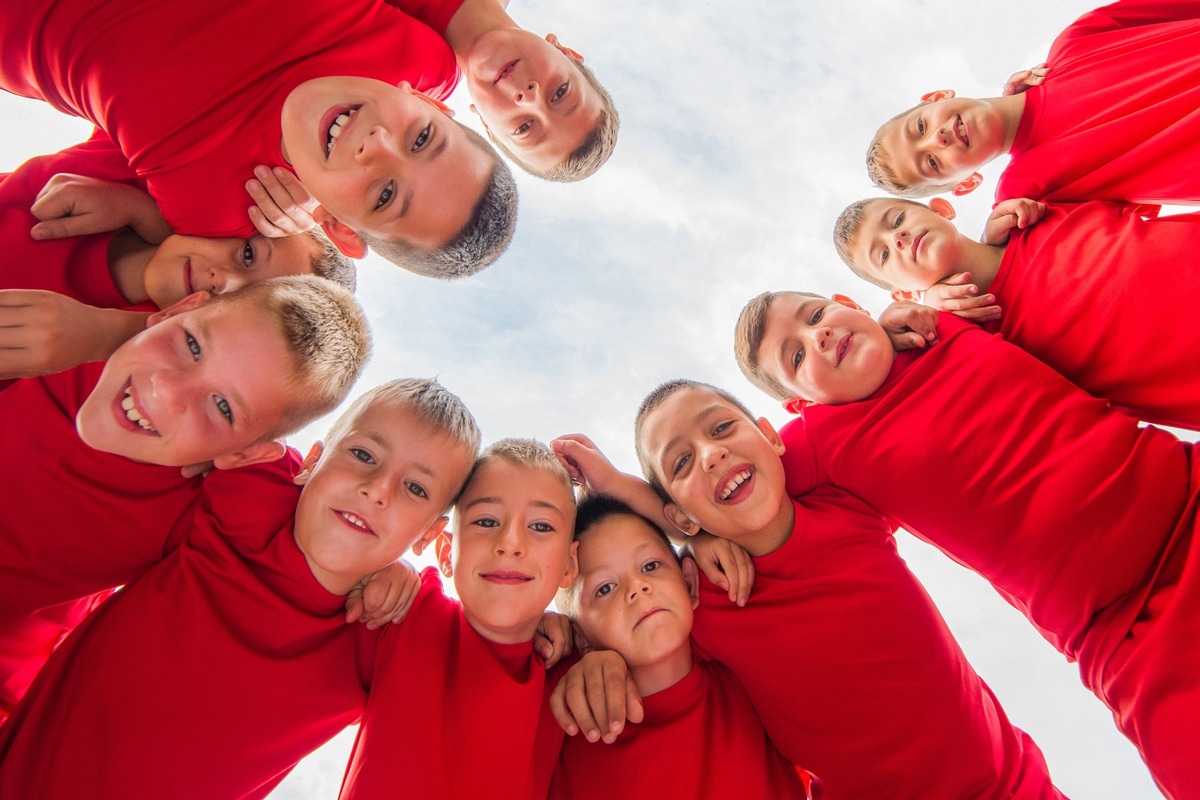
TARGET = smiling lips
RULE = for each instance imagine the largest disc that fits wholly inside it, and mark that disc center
(733, 487)
(505, 70)
(843, 346)
(354, 521)
(916, 243)
(506, 577)
(333, 124)
(133, 413)
(960, 130)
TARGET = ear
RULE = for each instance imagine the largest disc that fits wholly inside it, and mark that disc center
(256, 453)
(574, 55)
(969, 185)
(310, 461)
(572, 567)
(768, 430)
(794, 405)
(940, 94)
(430, 535)
(442, 546)
(691, 576)
(686, 525)
(842, 299)
(942, 207)
(193, 300)
(342, 235)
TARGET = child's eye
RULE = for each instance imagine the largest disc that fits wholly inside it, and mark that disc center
(817, 316)
(224, 407)
(680, 464)
(192, 345)
(385, 196)
(921, 127)
(486, 522)
(362, 455)
(651, 566)
(422, 137)
(883, 257)
(523, 128)
(416, 489)
(797, 359)
(542, 527)
(724, 426)
(562, 90)
(605, 589)
(933, 167)
(248, 253)
(899, 220)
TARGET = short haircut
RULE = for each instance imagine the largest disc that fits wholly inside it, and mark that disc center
(593, 510)
(528, 453)
(480, 242)
(329, 263)
(748, 336)
(845, 234)
(326, 334)
(592, 152)
(656, 398)
(883, 174)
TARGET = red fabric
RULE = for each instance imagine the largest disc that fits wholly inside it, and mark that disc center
(707, 719)
(191, 92)
(452, 714)
(434, 13)
(1118, 116)
(1107, 298)
(211, 676)
(854, 672)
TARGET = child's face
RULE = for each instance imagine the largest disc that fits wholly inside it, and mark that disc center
(530, 95)
(203, 382)
(907, 246)
(720, 467)
(372, 493)
(398, 168)
(633, 597)
(824, 351)
(183, 265)
(943, 140)
(512, 549)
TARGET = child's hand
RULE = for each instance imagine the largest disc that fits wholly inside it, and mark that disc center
(554, 638)
(909, 325)
(726, 564)
(1022, 79)
(587, 465)
(284, 207)
(597, 694)
(44, 332)
(384, 596)
(76, 205)
(960, 297)
(1019, 212)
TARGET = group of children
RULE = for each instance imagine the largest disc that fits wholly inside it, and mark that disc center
(171, 336)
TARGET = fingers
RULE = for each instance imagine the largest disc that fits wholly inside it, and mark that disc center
(283, 207)
(989, 313)
(634, 710)
(354, 604)
(744, 572)
(561, 710)
(63, 227)
(611, 697)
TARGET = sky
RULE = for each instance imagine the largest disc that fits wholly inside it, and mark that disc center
(743, 134)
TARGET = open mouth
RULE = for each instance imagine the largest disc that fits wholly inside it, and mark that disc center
(334, 123)
(735, 485)
(133, 413)
(843, 346)
(506, 577)
(505, 71)
(354, 521)
(960, 130)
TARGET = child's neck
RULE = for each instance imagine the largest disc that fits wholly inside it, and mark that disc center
(510, 634)
(774, 535)
(473, 19)
(982, 261)
(128, 257)
(665, 673)
(1010, 109)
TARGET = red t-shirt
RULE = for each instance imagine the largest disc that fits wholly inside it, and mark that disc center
(191, 92)
(856, 675)
(1118, 116)
(1105, 297)
(706, 727)
(452, 714)
(210, 676)
(1063, 504)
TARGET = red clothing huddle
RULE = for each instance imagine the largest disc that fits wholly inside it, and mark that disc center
(705, 720)
(1118, 116)
(452, 714)
(210, 676)
(1107, 298)
(843, 653)
(195, 135)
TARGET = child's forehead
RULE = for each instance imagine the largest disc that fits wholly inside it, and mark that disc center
(617, 540)
(501, 481)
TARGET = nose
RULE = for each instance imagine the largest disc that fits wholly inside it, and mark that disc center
(376, 488)
(372, 145)
(900, 239)
(526, 94)
(640, 587)
(822, 337)
(171, 389)
(511, 540)
(713, 454)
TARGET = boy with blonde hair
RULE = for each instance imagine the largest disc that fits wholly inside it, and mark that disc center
(857, 650)
(221, 667)
(635, 597)
(1057, 288)
(457, 703)
(1113, 119)
(1079, 517)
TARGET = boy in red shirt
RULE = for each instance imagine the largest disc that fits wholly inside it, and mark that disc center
(635, 597)
(388, 165)
(1059, 287)
(858, 650)
(1114, 119)
(220, 668)
(1079, 517)
(457, 704)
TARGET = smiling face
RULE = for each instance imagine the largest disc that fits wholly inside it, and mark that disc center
(383, 159)
(183, 265)
(531, 96)
(385, 482)
(512, 549)
(720, 468)
(907, 246)
(824, 351)
(203, 382)
(943, 140)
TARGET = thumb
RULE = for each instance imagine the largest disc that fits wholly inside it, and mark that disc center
(60, 228)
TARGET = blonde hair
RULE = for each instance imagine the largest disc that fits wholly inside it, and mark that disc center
(329, 263)
(592, 152)
(527, 453)
(748, 336)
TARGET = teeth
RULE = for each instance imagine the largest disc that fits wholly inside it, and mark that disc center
(734, 482)
(353, 520)
(335, 130)
(132, 413)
